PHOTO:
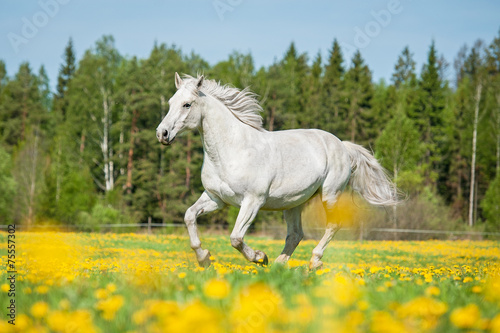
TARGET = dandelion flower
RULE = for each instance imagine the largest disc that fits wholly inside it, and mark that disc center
(39, 309)
(465, 317)
(216, 289)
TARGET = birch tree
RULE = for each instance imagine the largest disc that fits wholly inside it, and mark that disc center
(93, 111)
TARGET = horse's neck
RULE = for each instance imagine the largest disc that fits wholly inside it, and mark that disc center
(222, 133)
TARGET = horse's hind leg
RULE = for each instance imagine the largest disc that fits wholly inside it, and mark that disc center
(294, 233)
(248, 211)
(205, 204)
(331, 229)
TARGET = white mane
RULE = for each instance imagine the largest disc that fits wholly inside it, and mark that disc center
(242, 103)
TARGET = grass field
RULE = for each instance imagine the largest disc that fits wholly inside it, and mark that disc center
(77, 282)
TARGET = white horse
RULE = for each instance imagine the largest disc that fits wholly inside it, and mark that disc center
(248, 167)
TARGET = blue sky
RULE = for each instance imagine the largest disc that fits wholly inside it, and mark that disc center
(215, 28)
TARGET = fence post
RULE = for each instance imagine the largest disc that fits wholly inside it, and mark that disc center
(149, 225)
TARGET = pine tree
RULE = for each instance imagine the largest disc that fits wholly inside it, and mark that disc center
(404, 71)
(44, 89)
(66, 73)
(333, 94)
(359, 115)
(429, 113)
(22, 109)
(493, 72)
(311, 116)
(3, 76)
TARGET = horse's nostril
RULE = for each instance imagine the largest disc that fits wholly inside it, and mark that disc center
(165, 134)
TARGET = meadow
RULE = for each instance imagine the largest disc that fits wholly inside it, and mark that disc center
(82, 282)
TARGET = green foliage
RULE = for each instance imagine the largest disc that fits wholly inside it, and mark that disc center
(398, 146)
(100, 214)
(8, 187)
(87, 153)
(359, 92)
(491, 204)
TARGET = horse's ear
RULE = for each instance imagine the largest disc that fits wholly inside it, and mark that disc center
(200, 82)
(178, 81)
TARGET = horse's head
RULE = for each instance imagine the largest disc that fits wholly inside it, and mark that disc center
(184, 112)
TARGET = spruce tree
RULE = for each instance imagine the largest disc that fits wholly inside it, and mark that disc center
(359, 116)
(428, 115)
(66, 73)
(333, 94)
(404, 70)
(22, 109)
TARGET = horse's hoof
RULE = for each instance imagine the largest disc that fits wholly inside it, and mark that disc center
(205, 261)
(261, 258)
(282, 259)
(315, 264)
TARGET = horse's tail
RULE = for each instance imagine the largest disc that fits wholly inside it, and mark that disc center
(369, 178)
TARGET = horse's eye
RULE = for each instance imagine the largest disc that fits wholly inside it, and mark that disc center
(187, 105)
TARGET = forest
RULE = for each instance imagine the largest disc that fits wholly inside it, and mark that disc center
(86, 154)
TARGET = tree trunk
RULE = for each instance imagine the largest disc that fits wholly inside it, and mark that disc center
(32, 185)
(272, 115)
(24, 117)
(82, 142)
(473, 163)
(394, 208)
(498, 136)
(188, 161)
(58, 171)
(161, 202)
(133, 131)
(106, 143)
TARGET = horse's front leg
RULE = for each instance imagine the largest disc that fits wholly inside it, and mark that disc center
(248, 211)
(205, 204)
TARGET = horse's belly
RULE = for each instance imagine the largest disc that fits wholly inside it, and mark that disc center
(291, 194)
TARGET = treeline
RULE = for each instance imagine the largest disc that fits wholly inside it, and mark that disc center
(87, 154)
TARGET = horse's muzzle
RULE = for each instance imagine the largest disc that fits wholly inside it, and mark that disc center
(163, 136)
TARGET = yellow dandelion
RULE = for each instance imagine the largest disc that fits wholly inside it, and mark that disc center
(42, 289)
(39, 309)
(216, 288)
(22, 322)
(5, 288)
(495, 324)
(383, 322)
(182, 275)
(101, 293)
(465, 317)
(110, 306)
(64, 304)
(432, 291)
(140, 317)
(111, 287)
(57, 321)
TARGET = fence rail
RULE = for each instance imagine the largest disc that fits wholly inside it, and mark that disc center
(174, 225)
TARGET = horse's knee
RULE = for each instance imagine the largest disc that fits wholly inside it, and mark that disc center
(295, 237)
(236, 242)
(190, 216)
(300, 236)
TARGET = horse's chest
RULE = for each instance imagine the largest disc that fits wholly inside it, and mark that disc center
(221, 186)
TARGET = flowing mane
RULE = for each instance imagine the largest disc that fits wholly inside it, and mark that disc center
(243, 104)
